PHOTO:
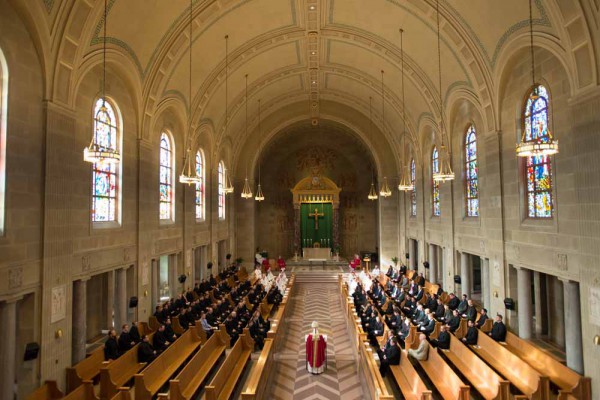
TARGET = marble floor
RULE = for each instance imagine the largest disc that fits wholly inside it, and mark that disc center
(315, 298)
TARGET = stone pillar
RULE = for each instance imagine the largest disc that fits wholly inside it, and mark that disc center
(8, 347)
(154, 282)
(485, 282)
(110, 300)
(432, 263)
(442, 270)
(537, 293)
(524, 306)
(79, 320)
(574, 345)
(120, 298)
(465, 275)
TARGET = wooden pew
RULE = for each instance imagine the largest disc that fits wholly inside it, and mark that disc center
(86, 369)
(561, 375)
(375, 382)
(115, 374)
(410, 383)
(201, 333)
(483, 378)
(48, 391)
(223, 383)
(450, 386)
(265, 308)
(85, 391)
(164, 366)
(412, 340)
(276, 320)
(517, 371)
(186, 384)
(177, 328)
(153, 323)
(257, 381)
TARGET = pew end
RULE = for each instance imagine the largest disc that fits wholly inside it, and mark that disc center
(48, 391)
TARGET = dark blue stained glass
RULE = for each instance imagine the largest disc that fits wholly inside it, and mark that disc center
(471, 173)
(413, 193)
(166, 168)
(435, 192)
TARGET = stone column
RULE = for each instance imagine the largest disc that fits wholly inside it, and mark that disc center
(524, 306)
(120, 298)
(442, 268)
(154, 282)
(574, 346)
(8, 347)
(485, 282)
(79, 320)
(537, 293)
(465, 275)
(432, 263)
(110, 300)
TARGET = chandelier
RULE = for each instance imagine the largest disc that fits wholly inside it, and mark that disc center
(247, 192)
(444, 173)
(228, 186)
(544, 145)
(385, 189)
(259, 193)
(189, 175)
(102, 152)
(372, 193)
(405, 183)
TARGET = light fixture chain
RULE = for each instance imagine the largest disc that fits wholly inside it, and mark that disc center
(531, 44)
(104, 54)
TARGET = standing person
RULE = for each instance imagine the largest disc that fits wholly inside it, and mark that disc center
(111, 347)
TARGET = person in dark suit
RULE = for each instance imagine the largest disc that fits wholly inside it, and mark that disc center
(428, 325)
(472, 332)
(498, 332)
(482, 318)
(111, 347)
(125, 341)
(453, 302)
(454, 322)
(389, 355)
(463, 305)
(402, 269)
(471, 311)
(160, 340)
(420, 279)
(394, 321)
(439, 310)
(146, 353)
(443, 339)
(134, 333)
(375, 330)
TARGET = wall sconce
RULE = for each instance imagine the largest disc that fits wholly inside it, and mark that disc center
(145, 293)
(495, 293)
(597, 340)
(58, 334)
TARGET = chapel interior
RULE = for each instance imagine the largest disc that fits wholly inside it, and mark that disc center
(281, 154)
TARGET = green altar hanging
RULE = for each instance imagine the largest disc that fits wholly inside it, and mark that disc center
(317, 227)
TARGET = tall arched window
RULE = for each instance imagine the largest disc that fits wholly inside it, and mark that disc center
(221, 192)
(105, 176)
(538, 168)
(471, 173)
(413, 193)
(166, 178)
(435, 186)
(3, 117)
(200, 210)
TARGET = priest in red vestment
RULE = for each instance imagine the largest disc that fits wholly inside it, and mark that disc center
(266, 265)
(316, 351)
(281, 263)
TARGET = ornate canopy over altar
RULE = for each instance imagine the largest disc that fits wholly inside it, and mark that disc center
(316, 213)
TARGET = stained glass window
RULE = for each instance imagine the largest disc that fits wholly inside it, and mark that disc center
(105, 175)
(166, 198)
(435, 186)
(413, 193)
(538, 168)
(471, 173)
(221, 183)
(200, 186)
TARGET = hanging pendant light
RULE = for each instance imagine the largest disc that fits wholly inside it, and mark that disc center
(96, 152)
(228, 185)
(247, 192)
(405, 184)
(259, 193)
(444, 172)
(544, 145)
(385, 189)
(189, 175)
(373, 192)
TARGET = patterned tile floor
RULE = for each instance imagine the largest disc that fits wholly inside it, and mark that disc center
(315, 301)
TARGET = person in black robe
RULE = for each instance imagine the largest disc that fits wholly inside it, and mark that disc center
(454, 322)
(160, 340)
(111, 347)
(453, 302)
(169, 333)
(134, 333)
(443, 339)
(472, 333)
(389, 355)
(125, 341)
(146, 353)
(498, 332)
(482, 318)
(257, 335)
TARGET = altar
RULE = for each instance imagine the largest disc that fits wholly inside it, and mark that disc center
(320, 253)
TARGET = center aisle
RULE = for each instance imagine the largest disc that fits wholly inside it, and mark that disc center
(315, 297)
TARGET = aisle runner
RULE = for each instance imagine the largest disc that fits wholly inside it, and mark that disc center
(316, 301)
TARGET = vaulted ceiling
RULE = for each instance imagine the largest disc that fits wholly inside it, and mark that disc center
(313, 59)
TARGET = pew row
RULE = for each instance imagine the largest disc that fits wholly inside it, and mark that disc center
(487, 382)
(48, 391)
(86, 369)
(580, 387)
(223, 383)
(150, 380)
(375, 383)
(85, 391)
(450, 386)
(518, 372)
(187, 382)
(410, 383)
(257, 381)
